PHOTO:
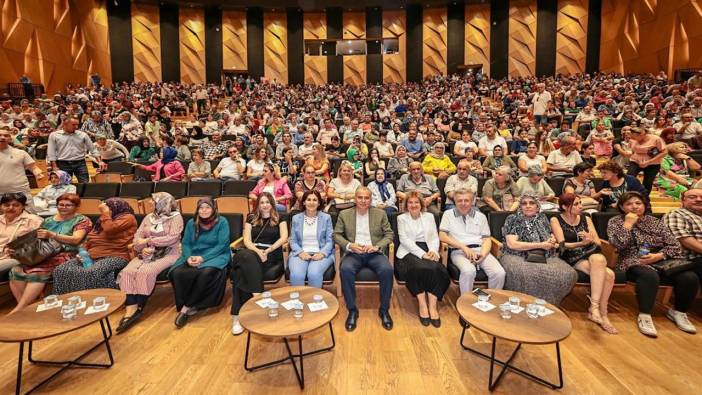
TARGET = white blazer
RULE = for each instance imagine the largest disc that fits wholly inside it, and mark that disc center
(408, 235)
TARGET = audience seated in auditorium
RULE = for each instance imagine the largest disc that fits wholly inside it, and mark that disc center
(383, 192)
(416, 180)
(45, 200)
(199, 169)
(615, 184)
(14, 223)
(272, 183)
(674, 178)
(167, 168)
(341, 191)
(648, 150)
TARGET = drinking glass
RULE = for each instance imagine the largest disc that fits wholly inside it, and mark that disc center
(273, 310)
(532, 310)
(514, 302)
(51, 300)
(506, 311)
(483, 299)
(297, 311)
(541, 304)
(74, 300)
(294, 295)
(68, 311)
(266, 294)
(99, 302)
(318, 298)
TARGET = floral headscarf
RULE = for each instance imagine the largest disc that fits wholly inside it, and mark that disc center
(63, 177)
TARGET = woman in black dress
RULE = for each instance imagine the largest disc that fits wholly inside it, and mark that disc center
(264, 235)
(580, 247)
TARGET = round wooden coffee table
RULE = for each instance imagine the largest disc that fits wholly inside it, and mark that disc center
(28, 326)
(255, 319)
(520, 329)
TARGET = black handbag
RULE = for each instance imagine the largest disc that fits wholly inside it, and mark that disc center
(29, 250)
(536, 256)
(671, 267)
(575, 255)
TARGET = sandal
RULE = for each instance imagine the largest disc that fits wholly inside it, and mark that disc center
(594, 307)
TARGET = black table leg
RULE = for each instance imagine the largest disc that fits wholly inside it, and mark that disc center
(75, 363)
(300, 374)
(506, 365)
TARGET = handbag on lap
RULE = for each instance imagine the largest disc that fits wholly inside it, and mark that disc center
(29, 250)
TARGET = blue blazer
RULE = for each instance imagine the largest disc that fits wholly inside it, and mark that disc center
(324, 233)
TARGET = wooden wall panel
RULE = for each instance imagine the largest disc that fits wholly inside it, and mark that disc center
(234, 40)
(434, 30)
(477, 42)
(522, 38)
(54, 42)
(146, 42)
(641, 36)
(354, 23)
(395, 65)
(192, 45)
(275, 46)
(571, 36)
(315, 28)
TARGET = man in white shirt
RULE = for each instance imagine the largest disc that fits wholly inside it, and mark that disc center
(307, 147)
(561, 161)
(231, 167)
(461, 180)
(13, 163)
(465, 229)
(363, 233)
(539, 103)
(67, 150)
(237, 128)
(688, 126)
(490, 141)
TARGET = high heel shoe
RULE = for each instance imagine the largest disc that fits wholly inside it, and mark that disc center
(594, 308)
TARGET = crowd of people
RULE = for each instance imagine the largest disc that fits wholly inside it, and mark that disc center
(334, 164)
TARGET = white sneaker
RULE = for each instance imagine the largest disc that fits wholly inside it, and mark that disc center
(646, 325)
(680, 319)
(237, 329)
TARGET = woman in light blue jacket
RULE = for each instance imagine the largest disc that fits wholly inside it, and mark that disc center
(311, 245)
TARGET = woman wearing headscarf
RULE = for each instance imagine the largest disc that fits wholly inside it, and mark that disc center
(107, 245)
(166, 169)
(437, 163)
(131, 130)
(45, 200)
(383, 193)
(156, 247)
(198, 275)
(142, 151)
(530, 257)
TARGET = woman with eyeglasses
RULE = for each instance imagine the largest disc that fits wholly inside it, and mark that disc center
(272, 183)
(66, 227)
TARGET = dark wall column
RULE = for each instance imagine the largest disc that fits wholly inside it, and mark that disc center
(546, 37)
(455, 47)
(213, 45)
(414, 43)
(119, 23)
(374, 29)
(335, 64)
(254, 41)
(499, 38)
(296, 47)
(170, 42)
(594, 24)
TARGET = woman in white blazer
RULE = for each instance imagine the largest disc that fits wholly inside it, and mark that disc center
(418, 258)
(311, 244)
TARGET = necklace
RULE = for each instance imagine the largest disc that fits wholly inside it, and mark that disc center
(310, 221)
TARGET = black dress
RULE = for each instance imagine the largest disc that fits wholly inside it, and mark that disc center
(570, 235)
(423, 275)
(248, 272)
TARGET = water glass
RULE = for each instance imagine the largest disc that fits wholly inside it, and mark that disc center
(483, 299)
(294, 295)
(74, 300)
(266, 295)
(273, 310)
(542, 305)
(514, 302)
(318, 298)
(506, 311)
(99, 302)
(297, 311)
(532, 310)
(68, 311)
(51, 300)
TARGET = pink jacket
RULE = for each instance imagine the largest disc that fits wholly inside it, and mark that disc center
(174, 169)
(281, 190)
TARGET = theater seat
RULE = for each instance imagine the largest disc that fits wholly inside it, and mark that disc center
(367, 275)
(162, 277)
(272, 274)
(455, 273)
(4, 276)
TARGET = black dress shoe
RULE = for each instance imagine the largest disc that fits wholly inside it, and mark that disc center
(385, 319)
(126, 322)
(424, 320)
(436, 323)
(351, 320)
(181, 320)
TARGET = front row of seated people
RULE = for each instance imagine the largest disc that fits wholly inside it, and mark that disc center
(539, 257)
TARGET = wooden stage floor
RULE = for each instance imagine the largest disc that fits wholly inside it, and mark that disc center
(155, 358)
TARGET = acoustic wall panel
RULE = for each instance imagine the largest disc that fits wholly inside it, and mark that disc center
(354, 27)
(522, 38)
(647, 36)
(54, 42)
(477, 42)
(434, 32)
(146, 42)
(234, 39)
(395, 65)
(315, 28)
(571, 36)
(192, 45)
(275, 43)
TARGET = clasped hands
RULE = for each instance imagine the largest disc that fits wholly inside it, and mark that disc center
(195, 261)
(362, 249)
(306, 256)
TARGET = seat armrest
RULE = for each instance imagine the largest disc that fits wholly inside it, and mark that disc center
(391, 254)
(496, 249)
(337, 267)
(237, 243)
(286, 254)
(610, 253)
(443, 253)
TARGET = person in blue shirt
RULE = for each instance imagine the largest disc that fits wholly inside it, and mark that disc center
(199, 276)
(415, 146)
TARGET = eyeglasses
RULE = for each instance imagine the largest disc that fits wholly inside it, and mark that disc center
(65, 205)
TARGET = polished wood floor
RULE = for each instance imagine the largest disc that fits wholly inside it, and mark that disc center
(155, 358)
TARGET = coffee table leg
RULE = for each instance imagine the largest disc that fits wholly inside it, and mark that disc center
(301, 373)
(106, 340)
(18, 382)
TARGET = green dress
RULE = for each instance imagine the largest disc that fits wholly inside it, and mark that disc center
(669, 186)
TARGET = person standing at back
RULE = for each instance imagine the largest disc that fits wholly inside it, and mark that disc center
(13, 163)
(67, 150)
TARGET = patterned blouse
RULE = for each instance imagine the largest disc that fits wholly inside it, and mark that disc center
(647, 230)
(528, 229)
